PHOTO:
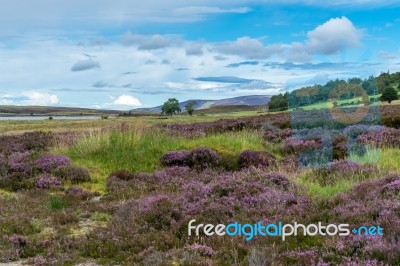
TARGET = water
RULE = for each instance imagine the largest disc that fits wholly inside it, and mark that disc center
(38, 118)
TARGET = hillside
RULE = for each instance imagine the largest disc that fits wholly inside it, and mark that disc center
(243, 101)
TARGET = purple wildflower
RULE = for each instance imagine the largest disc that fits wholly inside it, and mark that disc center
(49, 162)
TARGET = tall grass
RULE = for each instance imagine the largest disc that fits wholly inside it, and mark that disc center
(139, 148)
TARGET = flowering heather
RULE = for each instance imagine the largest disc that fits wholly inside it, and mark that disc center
(73, 174)
(175, 175)
(202, 158)
(384, 137)
(47, 181)
(276, 136)
(393, 184)
(49, 162)
(175, 158)
(158, 212)
(30, 141)
(20, 162)
(122, 175)
(260, 159)
(344, 166)
(293, 145)
(279, 180)
(18, 240)
(77, 192)
(201, 249)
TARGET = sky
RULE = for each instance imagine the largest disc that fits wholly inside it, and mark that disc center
(129, 54)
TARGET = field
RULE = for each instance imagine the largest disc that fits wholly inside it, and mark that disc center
(121, 191)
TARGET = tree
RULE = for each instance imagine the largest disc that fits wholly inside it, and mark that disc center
(278, 102)
(365, 100)
(389, 94)
(171, 107)
(189, 107)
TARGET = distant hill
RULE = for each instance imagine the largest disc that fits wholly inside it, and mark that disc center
(50, 111)
(252, 100)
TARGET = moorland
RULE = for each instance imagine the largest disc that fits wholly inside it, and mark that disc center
(121, 191)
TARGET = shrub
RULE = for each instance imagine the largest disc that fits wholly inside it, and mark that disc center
(20, 162)
(256, 158)
(17, 181)
(73, 174)
(278, 180)
(203, 157)
(47, 181)
(174, 158)
(63, 218)
(49, 162)
(293, 145)
(122, 175)
(118, 180)
(77, 192)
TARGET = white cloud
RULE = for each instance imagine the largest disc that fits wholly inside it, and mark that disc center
(127, 100)
(150, 42)
(195, 49)
(250, 48)
(298, 53)
(334, 35)
(30, 98)
(40, 98)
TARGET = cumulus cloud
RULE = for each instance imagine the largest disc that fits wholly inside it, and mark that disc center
(127, 100)
(298, 53)
(40, 98)
(334, 35)
(150, 42)
(86, 64)
(30, 98)
(250, 48)
(194, 49)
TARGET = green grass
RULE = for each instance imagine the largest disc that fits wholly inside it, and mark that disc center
(329, 104)
(314, 189)
(139, 149)
(372, 155)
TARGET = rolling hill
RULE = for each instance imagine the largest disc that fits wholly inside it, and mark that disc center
(251, 100)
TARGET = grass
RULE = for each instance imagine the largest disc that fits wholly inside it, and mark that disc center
(139, 149)
(314, 189)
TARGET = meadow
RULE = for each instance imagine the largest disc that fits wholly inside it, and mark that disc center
(121, 191)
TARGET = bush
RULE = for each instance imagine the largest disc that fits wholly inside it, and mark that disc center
(47, 181)
(118, 180)
(17, 181)
(259, 159)
(47, 163)
(203, 157)
(74, 174)
(174, 158)
(122, 175)
(77, 192)
(278, 180)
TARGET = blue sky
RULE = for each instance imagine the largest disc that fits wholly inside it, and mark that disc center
(128, 54)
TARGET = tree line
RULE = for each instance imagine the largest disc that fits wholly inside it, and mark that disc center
(385, 84)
